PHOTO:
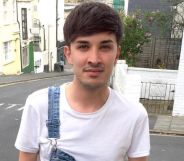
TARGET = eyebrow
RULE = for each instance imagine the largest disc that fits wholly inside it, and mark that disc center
(106, 41)
(86, 42)
(82, 42)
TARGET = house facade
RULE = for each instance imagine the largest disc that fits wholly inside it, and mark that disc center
(52, 22)
(24, 38)
(177, 31)
(10, 61)
(26, 18)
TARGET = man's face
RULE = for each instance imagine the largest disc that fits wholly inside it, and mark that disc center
(93, 58)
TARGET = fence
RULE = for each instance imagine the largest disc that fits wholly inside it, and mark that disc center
(161, 53)
(157, 97)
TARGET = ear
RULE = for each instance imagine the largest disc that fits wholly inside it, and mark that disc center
(117, 54)
(67, 53)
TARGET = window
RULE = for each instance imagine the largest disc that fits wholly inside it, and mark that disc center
(5, 3)
(7, 51)
(5, 10)
(25, 57)
(24, 23)
(35, 8)
(8, 12)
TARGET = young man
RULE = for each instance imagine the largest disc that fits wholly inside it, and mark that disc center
(97, 123)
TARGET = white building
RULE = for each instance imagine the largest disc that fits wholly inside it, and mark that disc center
(178, 108)
(47, 16)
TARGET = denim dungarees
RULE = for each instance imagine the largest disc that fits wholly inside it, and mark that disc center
(53, 125)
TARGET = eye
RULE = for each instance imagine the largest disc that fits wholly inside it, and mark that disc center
(83, 46)
(106, 47)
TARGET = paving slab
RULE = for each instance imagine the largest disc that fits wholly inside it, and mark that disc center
(169, 125)
(163, 123)
(177, 124)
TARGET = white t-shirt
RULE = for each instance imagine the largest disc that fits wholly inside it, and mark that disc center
(118, 128)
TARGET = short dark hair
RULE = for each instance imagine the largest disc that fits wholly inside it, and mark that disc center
(90, 18)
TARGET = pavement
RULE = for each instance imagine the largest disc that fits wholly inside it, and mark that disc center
(162, 124)
(12, 79)
(166, 124)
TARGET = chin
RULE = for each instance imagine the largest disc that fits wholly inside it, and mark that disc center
(93, 85)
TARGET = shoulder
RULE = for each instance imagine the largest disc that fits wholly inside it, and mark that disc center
(36, 102)
(38, 93)
(41, 95)
(128, 107)
(38, 96)
(38, 99)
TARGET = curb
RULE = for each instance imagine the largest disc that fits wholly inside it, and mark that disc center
(162, 132)
(34, 78)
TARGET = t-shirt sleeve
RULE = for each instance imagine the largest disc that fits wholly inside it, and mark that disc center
(28, 134)
(140, 143)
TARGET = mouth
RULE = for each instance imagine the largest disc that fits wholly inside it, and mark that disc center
(94, 72)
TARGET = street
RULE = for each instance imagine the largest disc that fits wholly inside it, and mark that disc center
(167, 148)
(12, 99)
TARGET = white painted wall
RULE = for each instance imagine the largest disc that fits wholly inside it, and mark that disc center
(126, 7)
(1, 57)
(38, 61)
(155, 75)
(179, 95)
(61, 19)
(127, 84)
(162, 82)
(47, 16)
(1, 68)
(128, 80)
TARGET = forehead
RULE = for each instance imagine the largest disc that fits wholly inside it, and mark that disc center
(97, 38)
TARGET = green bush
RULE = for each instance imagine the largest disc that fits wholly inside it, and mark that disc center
(134, 37)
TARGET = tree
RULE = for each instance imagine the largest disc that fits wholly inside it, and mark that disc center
(134, 37)
(170, 23)
(139, 28)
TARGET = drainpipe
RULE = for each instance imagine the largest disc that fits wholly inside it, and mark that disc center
(19, 34)
(44, 43)
(57, 30)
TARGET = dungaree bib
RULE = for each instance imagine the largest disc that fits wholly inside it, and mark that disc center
(53, 125)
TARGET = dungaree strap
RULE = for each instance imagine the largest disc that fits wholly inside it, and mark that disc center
(53, 122)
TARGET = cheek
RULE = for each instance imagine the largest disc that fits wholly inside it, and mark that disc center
(111, 60)
(78, 61)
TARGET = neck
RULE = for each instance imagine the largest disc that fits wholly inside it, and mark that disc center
(86, 100)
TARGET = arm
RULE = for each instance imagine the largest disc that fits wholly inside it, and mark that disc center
(24, 156)
(138, 159)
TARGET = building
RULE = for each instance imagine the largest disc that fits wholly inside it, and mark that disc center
(25, 17)
(10, 58)
(52, 22)
(177, 31)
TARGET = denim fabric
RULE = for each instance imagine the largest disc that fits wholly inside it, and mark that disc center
(58, 155)
(53, 124)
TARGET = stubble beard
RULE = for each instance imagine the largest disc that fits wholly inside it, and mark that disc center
(94, 86)
(90, 85)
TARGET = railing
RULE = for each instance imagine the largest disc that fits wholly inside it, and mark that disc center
(157, 97)
(160, 53)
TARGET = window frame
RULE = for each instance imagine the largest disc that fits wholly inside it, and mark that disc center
(25, 56)
(7, 52)
(24, 23)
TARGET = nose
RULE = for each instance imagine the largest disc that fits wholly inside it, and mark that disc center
(94, 57)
